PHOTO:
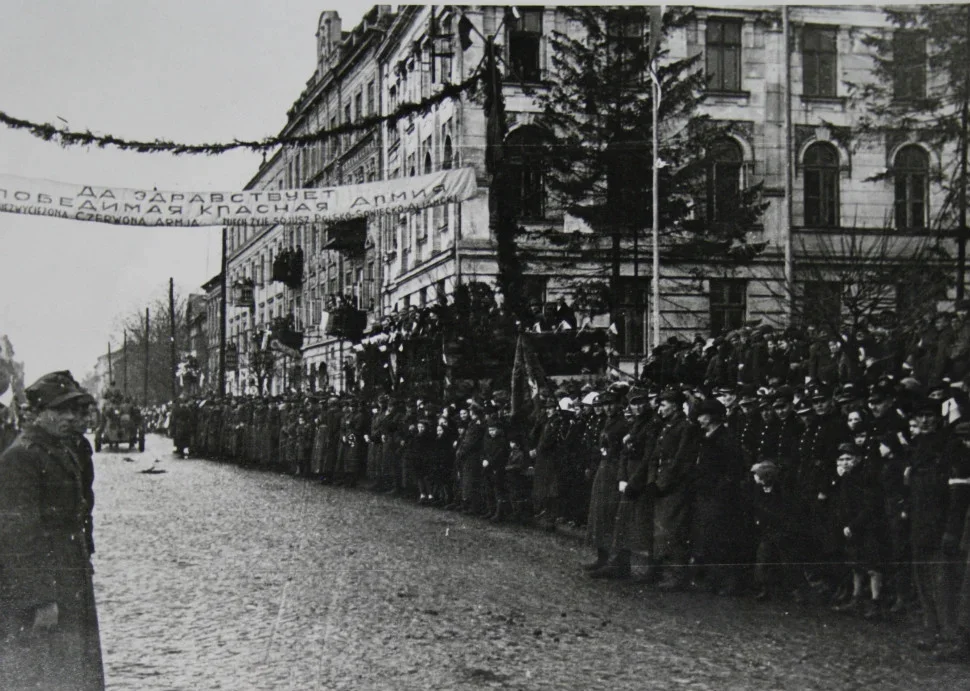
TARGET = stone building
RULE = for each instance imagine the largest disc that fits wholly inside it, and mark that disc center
(800, 120)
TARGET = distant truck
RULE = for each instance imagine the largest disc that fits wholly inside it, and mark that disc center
(120, 423)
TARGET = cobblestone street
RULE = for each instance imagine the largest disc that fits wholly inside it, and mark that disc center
(209, 576)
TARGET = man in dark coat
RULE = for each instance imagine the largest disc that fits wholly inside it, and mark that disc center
(633, 527)
(928, 482)
(605, 497)
(670, 472)
(50, 636)
(716, 517)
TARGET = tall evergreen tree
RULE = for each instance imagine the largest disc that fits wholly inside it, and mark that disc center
(598, 111)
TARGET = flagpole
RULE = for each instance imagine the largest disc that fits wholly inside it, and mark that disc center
(655, 193)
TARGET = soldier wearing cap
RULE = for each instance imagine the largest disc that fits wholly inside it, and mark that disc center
(717, 539)
(670, 472)
(50, 636)
(811, 478)
(633, 525)
(928, 472)
(779, 439)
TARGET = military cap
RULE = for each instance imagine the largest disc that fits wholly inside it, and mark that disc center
(638, 396)
(850, 449)
(711, 406)
(928, 406)
(672, 395)
(938, 391)
(962, 429)
(820, 393)
(804, 407)
(784, 394)
(606, 398)
(56, 390)
(424, 421)
(724, 390)
(591, 398)
(848, 392)
(748, 394)
(880, 394)
(493, 421)
(766, 470)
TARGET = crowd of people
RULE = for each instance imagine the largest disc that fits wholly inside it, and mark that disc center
(832, 469)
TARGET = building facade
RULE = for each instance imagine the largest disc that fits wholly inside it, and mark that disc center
(779, 76)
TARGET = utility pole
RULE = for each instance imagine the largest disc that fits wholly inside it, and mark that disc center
(222, 316)
(964, 118)
(110, 375)
(171, 323)
(789, 182)
(124, 359)
(147, 344)
(656, 18)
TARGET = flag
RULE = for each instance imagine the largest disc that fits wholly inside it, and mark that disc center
(527, 376)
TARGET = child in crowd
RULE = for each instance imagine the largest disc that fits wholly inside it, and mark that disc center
(859, 519)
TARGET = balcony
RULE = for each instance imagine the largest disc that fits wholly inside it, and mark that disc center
(346, 236)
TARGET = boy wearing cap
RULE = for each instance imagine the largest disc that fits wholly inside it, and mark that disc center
(50, 637)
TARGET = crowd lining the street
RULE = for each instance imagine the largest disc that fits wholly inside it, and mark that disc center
(829, 468)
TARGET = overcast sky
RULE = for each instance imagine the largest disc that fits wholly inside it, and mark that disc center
(183, 70)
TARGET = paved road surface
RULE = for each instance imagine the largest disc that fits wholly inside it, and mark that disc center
(213, 577)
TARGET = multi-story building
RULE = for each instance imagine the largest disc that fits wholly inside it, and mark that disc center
(209, 362)
(778, 75)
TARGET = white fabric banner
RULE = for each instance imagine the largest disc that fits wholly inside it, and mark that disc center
(127, 206)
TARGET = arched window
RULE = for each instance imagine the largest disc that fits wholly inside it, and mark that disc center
(911, 173)
(524, 158)
(724, 163)
(447, 162)
(427, 163)
(822, 186)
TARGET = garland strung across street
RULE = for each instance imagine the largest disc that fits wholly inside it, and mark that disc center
(65, 137)
(126, 206)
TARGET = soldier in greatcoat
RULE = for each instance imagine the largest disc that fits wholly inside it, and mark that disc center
(633, 525)
(605, 496)
(928, 473)
(49, 637)
(670, 471)
(717, 526)
(547, 436)
(468, 456)
(811, 481)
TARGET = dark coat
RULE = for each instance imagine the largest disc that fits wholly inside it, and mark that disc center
(858, 506)
(548, 434)
(928, 481)
(605, 497)
(45, 559)
(633, 529)
(717, 517)
(671, 471)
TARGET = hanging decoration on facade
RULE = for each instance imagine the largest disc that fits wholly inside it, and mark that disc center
(138, 207)
(64, 137)
(288, 267)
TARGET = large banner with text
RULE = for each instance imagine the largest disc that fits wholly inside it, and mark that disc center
(135, 207)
